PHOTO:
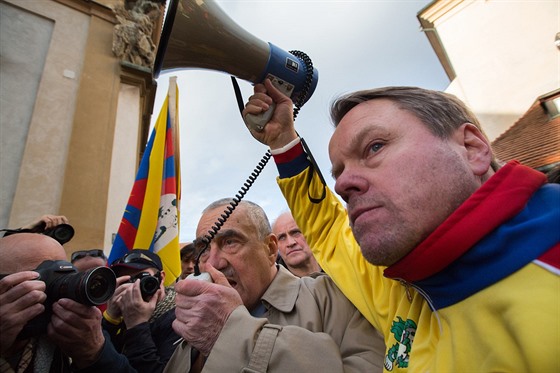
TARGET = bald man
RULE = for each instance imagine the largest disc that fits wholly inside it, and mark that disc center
(293, 247)
(74, 331)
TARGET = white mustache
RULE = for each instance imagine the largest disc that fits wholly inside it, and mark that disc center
(228, 272)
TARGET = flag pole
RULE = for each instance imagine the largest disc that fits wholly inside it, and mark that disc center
(174, 117)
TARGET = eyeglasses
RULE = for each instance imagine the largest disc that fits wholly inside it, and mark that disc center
(136, 257)
(82, 254)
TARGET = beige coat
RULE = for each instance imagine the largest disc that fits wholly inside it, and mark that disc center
(309, 325)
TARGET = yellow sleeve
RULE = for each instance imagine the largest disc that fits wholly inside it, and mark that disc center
(326, 228)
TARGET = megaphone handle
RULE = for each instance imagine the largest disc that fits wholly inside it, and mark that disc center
(204, 276)
(258, 122)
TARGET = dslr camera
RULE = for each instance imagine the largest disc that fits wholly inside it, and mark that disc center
(62, 233)
(62, 280)
(148, 284)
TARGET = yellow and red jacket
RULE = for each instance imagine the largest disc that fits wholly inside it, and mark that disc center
(480, 294)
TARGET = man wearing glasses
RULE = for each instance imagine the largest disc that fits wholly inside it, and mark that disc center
(87, 259)
(141, 311)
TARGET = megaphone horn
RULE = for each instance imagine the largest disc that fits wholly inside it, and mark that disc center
(198, 34)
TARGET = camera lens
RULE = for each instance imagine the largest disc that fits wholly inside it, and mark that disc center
(149, 285)
(62, 233)
(92, 287)
(100, 285)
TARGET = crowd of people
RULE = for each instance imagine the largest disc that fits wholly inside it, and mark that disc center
(440, 259)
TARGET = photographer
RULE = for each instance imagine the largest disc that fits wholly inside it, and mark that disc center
(55, 226)
(46, 222)
(140, 313)
(73, 340)
(87, 259)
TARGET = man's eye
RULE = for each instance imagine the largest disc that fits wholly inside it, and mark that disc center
(374, 148)
(228, 244)
(229, 241)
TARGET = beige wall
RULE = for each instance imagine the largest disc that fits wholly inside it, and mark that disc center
(502, 52)
(89, 156)
(24, 37)
(38, 189)
(122, 179)
(72, 120)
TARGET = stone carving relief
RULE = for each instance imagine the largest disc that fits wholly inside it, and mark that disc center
(132, 36)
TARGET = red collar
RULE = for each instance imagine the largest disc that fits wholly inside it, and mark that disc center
(503, 196)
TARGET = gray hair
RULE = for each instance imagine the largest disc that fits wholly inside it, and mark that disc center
(441, 112)
(255, 213)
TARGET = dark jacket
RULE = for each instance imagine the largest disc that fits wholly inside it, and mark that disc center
(109, 361)
(149, 345)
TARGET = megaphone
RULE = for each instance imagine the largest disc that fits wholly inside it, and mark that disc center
(199, 34)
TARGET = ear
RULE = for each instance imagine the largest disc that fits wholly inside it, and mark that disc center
(477, 148)
(162, 276)
(272, 247)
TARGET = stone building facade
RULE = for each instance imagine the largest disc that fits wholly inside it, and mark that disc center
(76, 99)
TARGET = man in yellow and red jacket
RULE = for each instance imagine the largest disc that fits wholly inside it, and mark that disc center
(451, 257)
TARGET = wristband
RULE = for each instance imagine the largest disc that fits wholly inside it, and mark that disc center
(112, 320)
(286, 147)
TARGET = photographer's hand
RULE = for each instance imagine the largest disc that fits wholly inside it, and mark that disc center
(48, 221)
(134, 309)
(21, 299)
(113, 308)
(76, 329)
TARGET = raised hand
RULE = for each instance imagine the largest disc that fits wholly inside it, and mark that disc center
(280, 129)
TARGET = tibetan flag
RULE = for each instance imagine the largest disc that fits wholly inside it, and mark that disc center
(151, 218)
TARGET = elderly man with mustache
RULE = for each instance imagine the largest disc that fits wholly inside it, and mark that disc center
(257, 316)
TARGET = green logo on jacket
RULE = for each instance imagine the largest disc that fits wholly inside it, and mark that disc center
(398, 354)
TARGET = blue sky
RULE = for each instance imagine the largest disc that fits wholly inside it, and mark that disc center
(353, 44)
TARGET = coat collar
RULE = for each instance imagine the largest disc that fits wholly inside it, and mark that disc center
(283, 291)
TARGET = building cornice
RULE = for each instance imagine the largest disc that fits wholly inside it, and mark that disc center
(428, 17)
(92, 8)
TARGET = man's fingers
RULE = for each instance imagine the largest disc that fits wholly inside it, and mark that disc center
(12, 280)
(217, 276)
(275, 93)
(122, 280)
(52, 221)
(259, 88)
(20, 290)
(255, 108)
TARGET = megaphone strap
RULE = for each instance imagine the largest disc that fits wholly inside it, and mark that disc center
(238, 94)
